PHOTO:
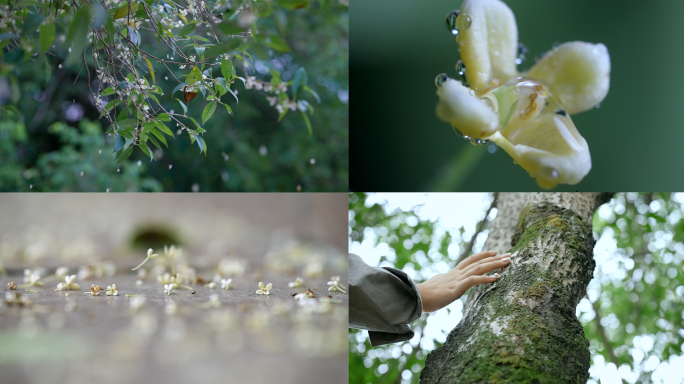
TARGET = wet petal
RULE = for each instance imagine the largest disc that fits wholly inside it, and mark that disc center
(488, 38)
(577, 73)
(540, 136)
(465, 111)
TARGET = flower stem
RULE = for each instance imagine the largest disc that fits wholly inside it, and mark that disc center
(141, 264)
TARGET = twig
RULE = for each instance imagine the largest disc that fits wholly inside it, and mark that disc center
(478, 230)
(602, 332)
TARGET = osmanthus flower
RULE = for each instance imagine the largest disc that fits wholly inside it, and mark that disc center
(150, 255)
(111, 290)
(94, 290)
(297, 283)
(68, 284)
(169, 288)
(263, 290)
(335, 285)
(33, 281)
(526, 114)
(226, 284)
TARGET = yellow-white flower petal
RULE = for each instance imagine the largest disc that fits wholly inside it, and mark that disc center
(540, 136)
(577, 73)
(463, 110)
(488, 38)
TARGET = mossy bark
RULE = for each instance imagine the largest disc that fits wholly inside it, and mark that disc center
(523, 329)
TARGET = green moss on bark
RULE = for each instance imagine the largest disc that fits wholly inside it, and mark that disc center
(524, 329)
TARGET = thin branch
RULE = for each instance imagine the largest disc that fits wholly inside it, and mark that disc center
(478, 230)
(602, 332)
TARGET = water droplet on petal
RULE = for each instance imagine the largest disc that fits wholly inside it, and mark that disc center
(522, 53)
(440, 79)
(461, 69)
(598, 105)
(468, 22)
(491, 149)
(451, 22)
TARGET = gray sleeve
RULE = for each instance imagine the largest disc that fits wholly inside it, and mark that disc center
(383, 301)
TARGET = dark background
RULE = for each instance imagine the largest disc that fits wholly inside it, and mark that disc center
(398, 47)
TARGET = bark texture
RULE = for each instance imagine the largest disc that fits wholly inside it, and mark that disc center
(523, 329)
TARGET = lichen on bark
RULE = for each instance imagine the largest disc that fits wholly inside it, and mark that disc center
(523, 328)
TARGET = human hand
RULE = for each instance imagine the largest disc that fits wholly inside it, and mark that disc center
(442, 290)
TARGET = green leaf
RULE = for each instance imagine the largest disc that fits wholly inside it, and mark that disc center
(112, 104)
(159, 136)
(119, 143)
(308, 123)
(47, 36)
(234, 95)
(315, 95)
(194, 76)
(281, 20)
(164, 117)
(293, 4)
(227, 69)
(202, 145)
(143, 147)
(228, 109)
(123, 10)
(277, 43)
(208, 111)
(299, 79)
(187, 29)
(185, 108)
(162, 127)
(77, 35)
(126, 153)
(178, 88)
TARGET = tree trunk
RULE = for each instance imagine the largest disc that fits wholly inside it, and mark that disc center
(523, 328)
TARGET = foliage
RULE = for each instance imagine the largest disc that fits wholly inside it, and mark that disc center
(145, 62)
(638, 286)
(81, 162)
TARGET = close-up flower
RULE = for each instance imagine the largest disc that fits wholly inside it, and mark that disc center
(335, 285)
(150, 255)
(263, 290)
(169, 288)
(33, 281)
(12, 285)
(297, 283)
(226, 284)
(68, 284)
(94, 290)
(111, 290)
(211, 285)
(527, 114)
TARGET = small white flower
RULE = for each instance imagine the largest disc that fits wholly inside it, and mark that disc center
(69, 284)
(111, 290)
(297, 283)
(335, 285)
(226, 284)
(211, 285)
(263, 290)
(169, 288)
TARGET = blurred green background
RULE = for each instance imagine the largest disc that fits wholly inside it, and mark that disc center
(58, 143)
(398, 48)
(633, 313)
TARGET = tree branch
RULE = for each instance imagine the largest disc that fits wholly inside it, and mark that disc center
(478, 230)
(602, 332)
